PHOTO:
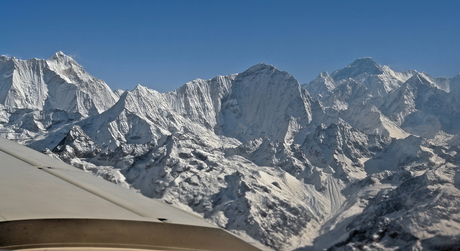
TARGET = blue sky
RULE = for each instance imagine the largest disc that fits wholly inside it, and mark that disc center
(164, 44)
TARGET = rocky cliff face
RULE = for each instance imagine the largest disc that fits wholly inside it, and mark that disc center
(356, 163)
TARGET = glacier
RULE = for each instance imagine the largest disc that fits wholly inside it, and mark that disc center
(364, 158)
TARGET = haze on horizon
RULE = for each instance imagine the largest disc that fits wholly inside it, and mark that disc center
(164, 44)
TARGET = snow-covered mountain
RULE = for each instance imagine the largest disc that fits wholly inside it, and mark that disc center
(57, 83)
(44, 97)
(364, 158)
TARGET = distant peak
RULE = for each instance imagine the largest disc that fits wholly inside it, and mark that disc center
(369, 59)
(364, 61)
(261, 66)
(420, 78)
(359, 66)
(61, 56)
(140, 87)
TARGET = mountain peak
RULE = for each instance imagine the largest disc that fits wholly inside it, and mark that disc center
(61, 57)
(421, 79)
(362, 65)
(139, 87)
(365, 60)
(321, 85)
(60, 53)
(260, 67)
(367, 65)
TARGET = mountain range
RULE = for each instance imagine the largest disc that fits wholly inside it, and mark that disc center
(363, 158)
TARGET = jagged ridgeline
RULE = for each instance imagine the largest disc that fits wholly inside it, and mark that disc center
(365, 157)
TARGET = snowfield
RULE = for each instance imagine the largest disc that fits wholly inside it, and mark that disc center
(365, 158)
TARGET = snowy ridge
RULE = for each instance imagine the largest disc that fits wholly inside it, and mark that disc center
(363, 158)
(56, 83)
(46, 97)
(22, 84)
(92, 95)
(380, 80)
(201, 100)
(322, 85)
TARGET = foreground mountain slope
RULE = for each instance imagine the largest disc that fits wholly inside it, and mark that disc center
(344, 166)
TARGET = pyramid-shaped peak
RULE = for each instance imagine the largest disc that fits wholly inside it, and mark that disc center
(362, 65)
(140, 87)
(365, 60)
(141, 90)
(260, 67)
(60, 54)
(420, 79)
(367, 65)
(60, 57)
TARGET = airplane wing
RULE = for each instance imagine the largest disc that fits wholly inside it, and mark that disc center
(45, 203)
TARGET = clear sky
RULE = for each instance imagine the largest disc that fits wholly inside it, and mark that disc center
(164, 44)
